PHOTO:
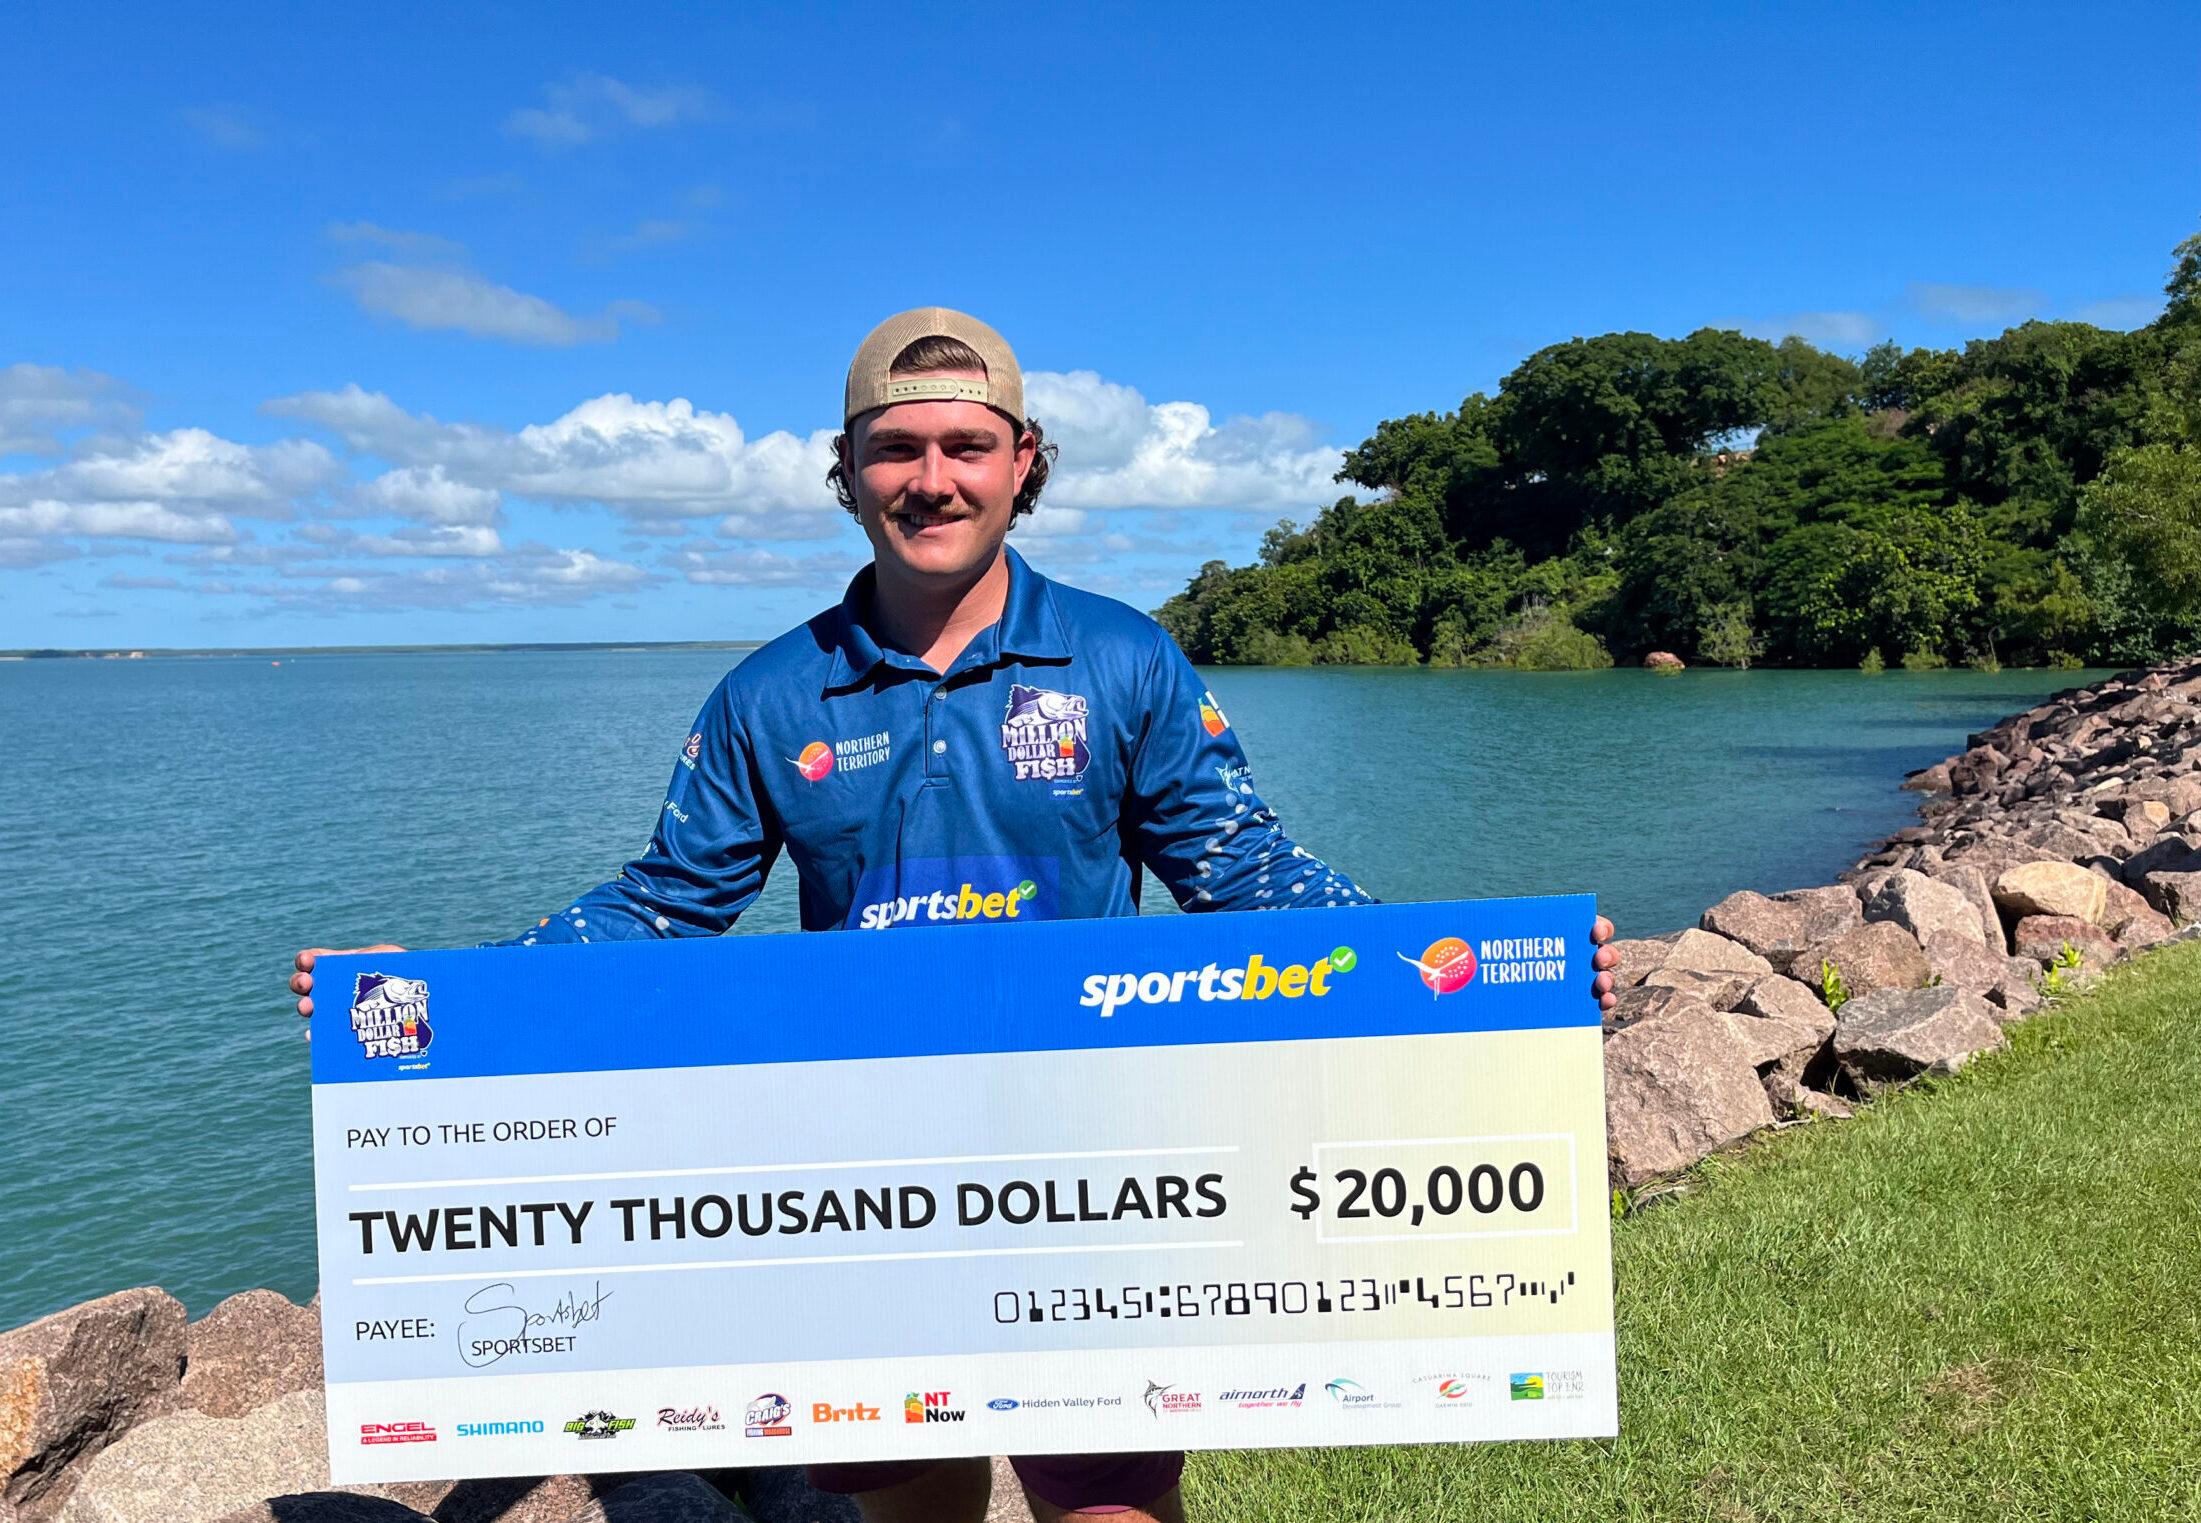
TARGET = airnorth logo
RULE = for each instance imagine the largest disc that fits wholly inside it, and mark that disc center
(1109, 992)
(1447, 966)
(815, 762)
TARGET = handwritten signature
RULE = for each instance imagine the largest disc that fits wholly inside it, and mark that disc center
(499, 1326)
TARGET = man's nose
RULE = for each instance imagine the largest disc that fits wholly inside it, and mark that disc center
(933, 479)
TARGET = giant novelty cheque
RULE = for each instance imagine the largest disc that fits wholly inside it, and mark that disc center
(1197, 1181)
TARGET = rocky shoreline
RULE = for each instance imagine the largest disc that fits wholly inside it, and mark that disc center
(2062, 840)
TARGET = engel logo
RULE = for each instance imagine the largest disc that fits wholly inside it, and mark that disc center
(948, 905)
(1256, 980)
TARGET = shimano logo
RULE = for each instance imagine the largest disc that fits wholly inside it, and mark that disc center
(1109, 992)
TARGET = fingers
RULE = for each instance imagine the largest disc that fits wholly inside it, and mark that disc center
(1602, 985)
(1603, 958)
(1601, 932)
(1606, 1002)
(305, 1009)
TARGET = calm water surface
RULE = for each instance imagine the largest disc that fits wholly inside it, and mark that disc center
(172, 830)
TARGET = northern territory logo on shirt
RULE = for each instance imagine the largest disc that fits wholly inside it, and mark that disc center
(1044, 734)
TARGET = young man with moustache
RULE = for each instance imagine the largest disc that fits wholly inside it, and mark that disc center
(959, 722)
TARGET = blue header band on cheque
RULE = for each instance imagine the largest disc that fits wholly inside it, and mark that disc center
(1475, 966)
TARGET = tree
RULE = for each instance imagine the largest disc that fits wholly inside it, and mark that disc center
(1727, 638)
(2144, 512)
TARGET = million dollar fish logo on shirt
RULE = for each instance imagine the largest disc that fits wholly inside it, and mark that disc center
(1043, 734)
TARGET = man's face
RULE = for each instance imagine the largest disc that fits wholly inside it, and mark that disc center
(936, 483)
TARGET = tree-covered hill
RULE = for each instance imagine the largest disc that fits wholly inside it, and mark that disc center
(2034, 498)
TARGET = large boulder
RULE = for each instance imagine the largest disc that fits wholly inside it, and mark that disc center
(1891, 1035)
(1677, 1086)
(1779, 926)
(1646, 1000)
(1877, 955)
(1923, 907)
(1697, 951)
(2044, 937)
(1719, 990)
(1972, 884)
(1635, 958)
(191, 1468)
(2132, 920)
(2176, 892)
(249, 1350)
(2005, 982)
(74, 1382)
(2050, 888)
(673, 1496)
(2171, 853)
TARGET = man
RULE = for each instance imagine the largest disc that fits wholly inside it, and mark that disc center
(960, 738)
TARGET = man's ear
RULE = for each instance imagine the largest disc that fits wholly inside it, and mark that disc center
(1027, 450)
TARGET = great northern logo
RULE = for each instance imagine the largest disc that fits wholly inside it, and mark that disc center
(390, 1015)
(1044, 734)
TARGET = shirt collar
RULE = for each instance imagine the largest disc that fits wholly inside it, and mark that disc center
(1030, 627)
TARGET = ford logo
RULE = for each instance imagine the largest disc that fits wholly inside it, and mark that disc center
(1002, 1404)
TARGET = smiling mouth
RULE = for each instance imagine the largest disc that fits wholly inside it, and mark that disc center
(921, 520)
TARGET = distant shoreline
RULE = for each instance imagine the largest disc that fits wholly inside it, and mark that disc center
(147, 653)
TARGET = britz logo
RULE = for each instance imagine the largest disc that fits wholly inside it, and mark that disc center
(826, 1412)
(390, 1015)
(767, 1417)
(1256, 980)
(396, 1433)
(1044, 734)
(929, 1407)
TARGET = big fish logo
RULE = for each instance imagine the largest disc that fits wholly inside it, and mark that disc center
(390, 1015)
(1044, 734)
(1447, 966)
(815, 762)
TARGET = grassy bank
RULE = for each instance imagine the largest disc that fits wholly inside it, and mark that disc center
(1981, 1298)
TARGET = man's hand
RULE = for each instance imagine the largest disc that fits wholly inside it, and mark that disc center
(301, 982)
(1603, 960)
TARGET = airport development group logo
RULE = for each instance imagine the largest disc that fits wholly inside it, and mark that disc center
(1447, 965)
(390, 1015)
(1044, 734)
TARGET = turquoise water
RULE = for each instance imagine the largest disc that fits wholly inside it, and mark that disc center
(172, 830)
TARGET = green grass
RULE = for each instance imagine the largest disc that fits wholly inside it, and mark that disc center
(1979, 1300)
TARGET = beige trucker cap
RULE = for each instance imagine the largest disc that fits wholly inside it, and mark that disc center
(870, 386)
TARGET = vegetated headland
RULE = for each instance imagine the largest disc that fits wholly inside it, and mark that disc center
(2034, 498)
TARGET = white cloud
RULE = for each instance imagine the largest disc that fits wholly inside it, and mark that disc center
(651, 233)
(590, 105)
(459, 300)
(428, 246)
(441, 541)
(651, 459)
(426, 492)
(1833, 330)
(750, 567)
(224, 125)
(39, 403)
(1972, 305)
(1121, 451)
(185, 465)
(44, 517)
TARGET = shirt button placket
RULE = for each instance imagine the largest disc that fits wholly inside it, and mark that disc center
(936, 737)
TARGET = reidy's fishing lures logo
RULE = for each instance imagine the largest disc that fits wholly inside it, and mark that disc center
(390, 1015)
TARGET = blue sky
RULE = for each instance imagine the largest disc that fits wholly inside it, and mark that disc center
(387, 323)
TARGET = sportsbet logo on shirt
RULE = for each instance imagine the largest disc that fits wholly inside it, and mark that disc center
(1256, 980)
(966, 903)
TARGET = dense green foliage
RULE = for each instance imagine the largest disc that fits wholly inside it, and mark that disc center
(1978, 1300)
(2032, 499)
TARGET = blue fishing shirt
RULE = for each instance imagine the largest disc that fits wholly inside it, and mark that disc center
(1068, 746)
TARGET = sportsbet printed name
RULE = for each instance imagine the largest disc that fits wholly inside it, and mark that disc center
(1256, 980)
(948, 905)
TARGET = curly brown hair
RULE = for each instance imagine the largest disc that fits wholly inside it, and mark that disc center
(925, 357)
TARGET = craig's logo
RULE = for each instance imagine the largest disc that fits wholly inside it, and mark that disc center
(390, 1015)
(1044, 735)
(1256, 980)
(767, 1417)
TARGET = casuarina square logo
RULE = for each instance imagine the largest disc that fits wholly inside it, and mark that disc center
(390, 1015)
(1044, 734)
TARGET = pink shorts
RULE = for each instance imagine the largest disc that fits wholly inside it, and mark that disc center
(1072, 1482)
